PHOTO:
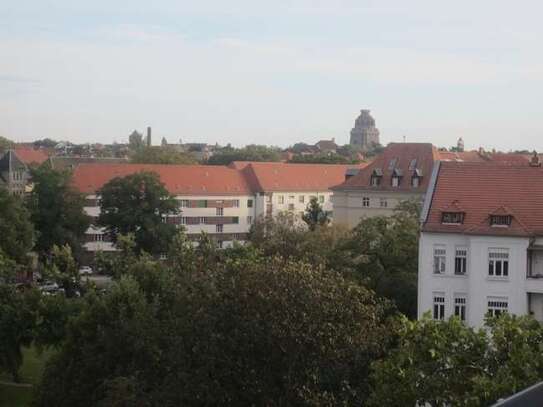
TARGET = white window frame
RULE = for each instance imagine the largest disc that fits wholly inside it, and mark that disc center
(219, 211)
(395, 181)
(249, 220)
(280, 199)
(461, 306)
(301, 198)
(219, 228)
(440, 259)
(461, 253)
(383, 202)
(438, 306)
(497, 306)
(498, 256)
(366, 201)
(235, 203)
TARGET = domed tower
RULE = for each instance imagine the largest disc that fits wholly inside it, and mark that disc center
(364, 134)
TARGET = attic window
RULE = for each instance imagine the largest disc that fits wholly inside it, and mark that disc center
(413, 164)
(501, 220)
(376, 176)
(452, 218)
(396, 177)
(392, 164)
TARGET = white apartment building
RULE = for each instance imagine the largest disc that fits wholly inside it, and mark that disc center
(481, 246)
(222, 201)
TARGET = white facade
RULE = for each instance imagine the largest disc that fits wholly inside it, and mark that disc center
(498, 274)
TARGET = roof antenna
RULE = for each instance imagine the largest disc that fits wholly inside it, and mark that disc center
(404, 138)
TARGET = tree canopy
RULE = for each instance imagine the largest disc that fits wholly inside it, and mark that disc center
(138, 204)
(248, 153)
(16, 230)
(161, 155)
(314, 215)
(56, 210)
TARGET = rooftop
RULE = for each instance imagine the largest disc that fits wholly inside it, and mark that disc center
(482, 190)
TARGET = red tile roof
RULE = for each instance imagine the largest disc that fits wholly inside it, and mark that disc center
(30, 155)
(269, 177)
(404, 155)
(471, 156)
(178, 179)
(484, 189)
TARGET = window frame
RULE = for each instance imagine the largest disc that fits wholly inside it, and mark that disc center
(438, 306)
(366, 202)
(463, 263)
(496, 306)
(439, 265)
(498, 256)
(461, 306)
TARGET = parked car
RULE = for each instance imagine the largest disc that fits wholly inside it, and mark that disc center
(48, 286)
(85, 271)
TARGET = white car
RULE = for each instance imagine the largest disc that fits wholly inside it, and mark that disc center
(48, 286)
(85, 271)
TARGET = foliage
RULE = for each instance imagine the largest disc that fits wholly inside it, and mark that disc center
(314, 215)
(244, 333)
(322, 158)
(56, 211)
(448, 363)
(118, 263)
(248, 153)
(46, 143)
(5, 144)
(137, 204)
(135, 141)
(161, 155)
(15, 228)
(62, 268)
(383, 253)
(16, 328)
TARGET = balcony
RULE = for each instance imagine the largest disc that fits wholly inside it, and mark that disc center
(535, 262)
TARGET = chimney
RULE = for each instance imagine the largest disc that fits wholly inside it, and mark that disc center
(534, 162)
(149, 136)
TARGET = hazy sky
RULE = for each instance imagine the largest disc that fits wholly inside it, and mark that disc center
(273, 72)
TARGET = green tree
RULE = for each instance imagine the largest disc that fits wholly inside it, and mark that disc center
(138, 204)
(56, 210)
(161, 155)
(17, 321)
(449, 363)
(314, 215)
(62, 268)
(15, 228)
(46, 142)
(5, 144)
(383, 253)
(321, 158)
(248, 153)
(247, 333)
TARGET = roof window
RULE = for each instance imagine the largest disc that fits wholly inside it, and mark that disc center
(392, 164)
(501, 220)
(452, 218)
(413, 164)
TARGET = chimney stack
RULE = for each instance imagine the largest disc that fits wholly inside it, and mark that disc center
(534, 162)
(149, 136)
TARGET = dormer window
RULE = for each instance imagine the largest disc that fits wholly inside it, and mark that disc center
(501, 220)
(416, 178)
(396, 177)
(376, 177)
(452, 218)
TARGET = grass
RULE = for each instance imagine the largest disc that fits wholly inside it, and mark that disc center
(31, 371)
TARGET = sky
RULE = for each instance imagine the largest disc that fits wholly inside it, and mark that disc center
(274, 72)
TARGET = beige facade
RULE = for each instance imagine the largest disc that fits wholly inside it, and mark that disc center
(350, 207)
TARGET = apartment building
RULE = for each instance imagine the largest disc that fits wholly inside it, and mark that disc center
(222, 201)
(481, 246)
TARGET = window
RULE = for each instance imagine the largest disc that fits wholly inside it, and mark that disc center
(497, 306)
(291, 197)
(183, 220)
(301, 199)
(268, 198)
(383, 202)
(460, 307)
(184, 203)
(201, 204)
(98, 237)
(439, 306)
(498, 263)
(280, 199)
(415, 182)
(440, 259)
(163, 256)
(413, 164)
(219, 244)
(235, 220)
(219, 228)
(249, 203)
(291, 207)
(220, 211)
(452, 218)
(202, 219)
(375, 181)
(395, 182)
(249, 220)
(392, 164)
(461, 261)
(500, 220)
(366, 202)
(235, 203)
(321, 198)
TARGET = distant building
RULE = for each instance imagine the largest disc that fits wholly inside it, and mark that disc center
(364, 135)
(327, 146)
(14, 169)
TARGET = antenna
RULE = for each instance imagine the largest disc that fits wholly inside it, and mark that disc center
(404, 138)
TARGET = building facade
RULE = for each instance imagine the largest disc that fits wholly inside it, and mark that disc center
(364, 134)
(15, 169)
(221, 201)
(481, 246)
